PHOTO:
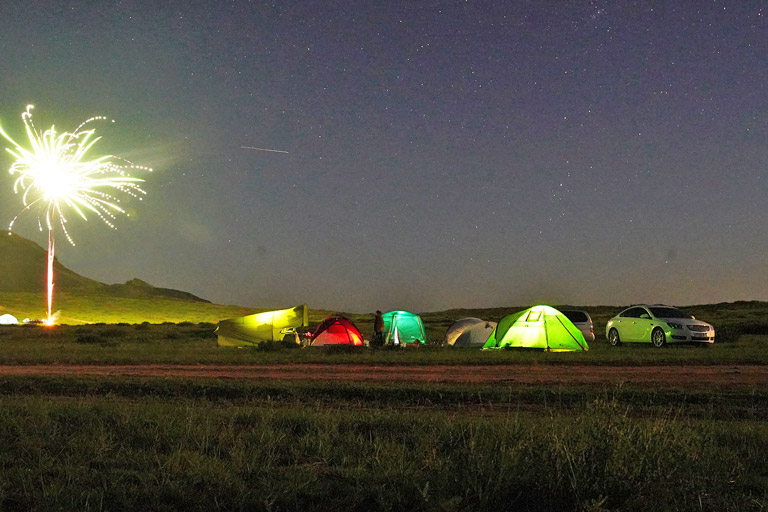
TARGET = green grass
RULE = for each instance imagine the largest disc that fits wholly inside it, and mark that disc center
(90, 308)
(746, 403)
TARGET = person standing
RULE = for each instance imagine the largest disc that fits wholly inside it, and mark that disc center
(378, 330)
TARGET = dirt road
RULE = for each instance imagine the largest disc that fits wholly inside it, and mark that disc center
(727, 376)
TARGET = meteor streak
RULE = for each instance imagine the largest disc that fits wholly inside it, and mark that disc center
(262, 149)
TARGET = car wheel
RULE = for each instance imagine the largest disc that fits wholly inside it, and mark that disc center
(658, 338)
(613, 338)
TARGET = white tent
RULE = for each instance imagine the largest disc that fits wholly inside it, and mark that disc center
(475, 336)
(459, 327)
(7, 319)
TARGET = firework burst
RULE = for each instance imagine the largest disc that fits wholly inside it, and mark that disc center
(56, 175)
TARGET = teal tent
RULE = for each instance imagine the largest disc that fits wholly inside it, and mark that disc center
(541, 327)
(403, 328)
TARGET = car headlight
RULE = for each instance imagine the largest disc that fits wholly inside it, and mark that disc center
(674, 325)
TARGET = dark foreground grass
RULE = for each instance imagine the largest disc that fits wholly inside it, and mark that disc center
(118, 453)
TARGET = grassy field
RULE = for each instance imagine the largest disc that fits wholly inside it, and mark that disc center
(87, 308)
(169, 444)
(189, 343)
(172, 443)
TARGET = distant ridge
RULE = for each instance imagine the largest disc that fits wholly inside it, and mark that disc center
(23, 268)
(138, 288)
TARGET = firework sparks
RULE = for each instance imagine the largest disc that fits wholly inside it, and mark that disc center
(56, 175)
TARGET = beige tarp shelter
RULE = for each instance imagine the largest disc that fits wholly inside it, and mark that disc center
(250, 330)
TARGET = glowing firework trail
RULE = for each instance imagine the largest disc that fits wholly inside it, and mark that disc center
(56, 174)
(262, 149)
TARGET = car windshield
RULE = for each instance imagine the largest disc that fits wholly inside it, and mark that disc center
(669, 313)
(576, 316)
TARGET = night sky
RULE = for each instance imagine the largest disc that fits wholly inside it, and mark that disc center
(440, 154)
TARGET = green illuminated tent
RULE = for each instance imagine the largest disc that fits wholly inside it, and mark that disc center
(541, 327)
(403, 328)
(250, 330)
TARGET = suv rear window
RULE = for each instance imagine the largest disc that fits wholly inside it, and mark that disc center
(576, 316)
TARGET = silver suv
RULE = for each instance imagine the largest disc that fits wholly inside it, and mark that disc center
(582, 321)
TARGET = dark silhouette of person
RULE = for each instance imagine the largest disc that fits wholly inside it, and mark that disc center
(378, 330)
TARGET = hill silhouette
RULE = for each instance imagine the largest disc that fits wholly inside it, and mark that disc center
(23, 268)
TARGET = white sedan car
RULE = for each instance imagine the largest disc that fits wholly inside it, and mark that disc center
(657, 324)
